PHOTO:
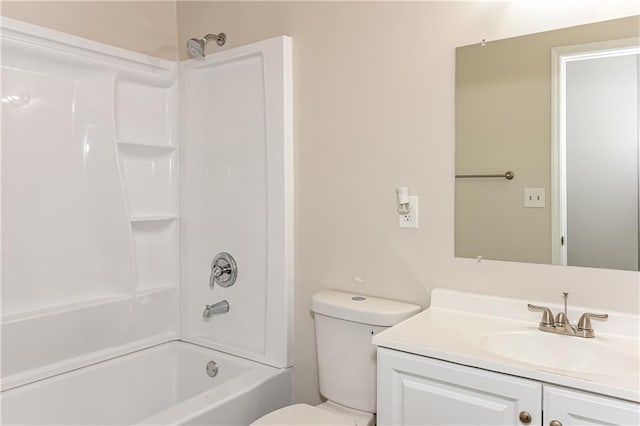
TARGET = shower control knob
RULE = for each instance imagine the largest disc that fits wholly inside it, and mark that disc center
(224, 270)
(218, 271)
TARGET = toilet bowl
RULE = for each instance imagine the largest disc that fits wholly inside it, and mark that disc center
(326, 414)
(345, 324)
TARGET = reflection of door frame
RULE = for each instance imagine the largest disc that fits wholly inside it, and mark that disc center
(560, 56)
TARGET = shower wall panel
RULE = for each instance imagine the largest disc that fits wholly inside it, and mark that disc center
(89, 202)
(236, 197)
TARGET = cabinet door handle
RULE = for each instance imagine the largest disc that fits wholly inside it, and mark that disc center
(555, 423)
(525, 418)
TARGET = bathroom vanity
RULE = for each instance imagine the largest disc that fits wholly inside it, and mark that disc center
(478, 360)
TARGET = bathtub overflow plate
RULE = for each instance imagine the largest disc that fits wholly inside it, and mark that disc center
(212, 369)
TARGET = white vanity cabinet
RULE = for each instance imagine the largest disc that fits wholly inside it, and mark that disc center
(572, 408)
(418, 390)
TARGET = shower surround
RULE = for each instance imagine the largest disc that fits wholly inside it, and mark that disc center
(109, 225)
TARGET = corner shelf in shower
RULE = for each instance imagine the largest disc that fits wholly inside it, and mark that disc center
(150, 178)
(157, 218)
(145, 111)
(155, 240)
(149, 290)
(145, 131)
(145, 148)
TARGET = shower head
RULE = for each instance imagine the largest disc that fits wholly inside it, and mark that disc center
(196, 46)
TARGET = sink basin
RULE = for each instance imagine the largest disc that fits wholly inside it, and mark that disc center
(575, 354)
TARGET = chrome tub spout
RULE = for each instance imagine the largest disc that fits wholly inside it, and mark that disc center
(221, 307)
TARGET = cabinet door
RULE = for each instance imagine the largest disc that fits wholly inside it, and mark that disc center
(416, 390)
(572, 408)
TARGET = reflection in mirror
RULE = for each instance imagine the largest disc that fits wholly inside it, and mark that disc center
(560, 110)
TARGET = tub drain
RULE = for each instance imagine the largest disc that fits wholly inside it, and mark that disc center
(212, 369)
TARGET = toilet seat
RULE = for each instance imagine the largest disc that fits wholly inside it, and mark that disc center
(303, 414)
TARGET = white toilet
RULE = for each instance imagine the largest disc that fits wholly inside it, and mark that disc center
(345, 324)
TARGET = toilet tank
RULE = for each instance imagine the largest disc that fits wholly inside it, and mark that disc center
(345, 324)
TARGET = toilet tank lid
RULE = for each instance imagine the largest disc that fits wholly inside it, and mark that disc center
(361, 308)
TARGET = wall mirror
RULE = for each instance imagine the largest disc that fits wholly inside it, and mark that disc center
(559, 110)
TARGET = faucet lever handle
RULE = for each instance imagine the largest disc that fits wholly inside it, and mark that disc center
(547, 315)
(584, 323)
(561, 319)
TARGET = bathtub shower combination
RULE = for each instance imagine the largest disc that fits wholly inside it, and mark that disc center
(146, 232)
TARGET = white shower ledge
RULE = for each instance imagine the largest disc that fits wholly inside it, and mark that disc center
(500, 334)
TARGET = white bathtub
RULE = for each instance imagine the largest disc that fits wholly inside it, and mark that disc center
(162, 385)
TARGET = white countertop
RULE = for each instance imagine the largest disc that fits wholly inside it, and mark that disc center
(452, 329)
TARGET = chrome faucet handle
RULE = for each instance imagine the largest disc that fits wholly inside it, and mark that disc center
(561, 319)
(547, 316)
(563, 326)
(584, 323)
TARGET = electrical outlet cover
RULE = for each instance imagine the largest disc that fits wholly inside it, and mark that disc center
(410, 220)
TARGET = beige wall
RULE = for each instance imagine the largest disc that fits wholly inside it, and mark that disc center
(374, 109)
(147, 27)
(503, 122)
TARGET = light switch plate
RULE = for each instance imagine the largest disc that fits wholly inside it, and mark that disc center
(534, 197)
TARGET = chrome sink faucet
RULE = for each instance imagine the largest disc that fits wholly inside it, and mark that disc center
(561, 324)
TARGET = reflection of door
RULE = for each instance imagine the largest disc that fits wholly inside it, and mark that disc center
(596, 187)
(602, 162)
